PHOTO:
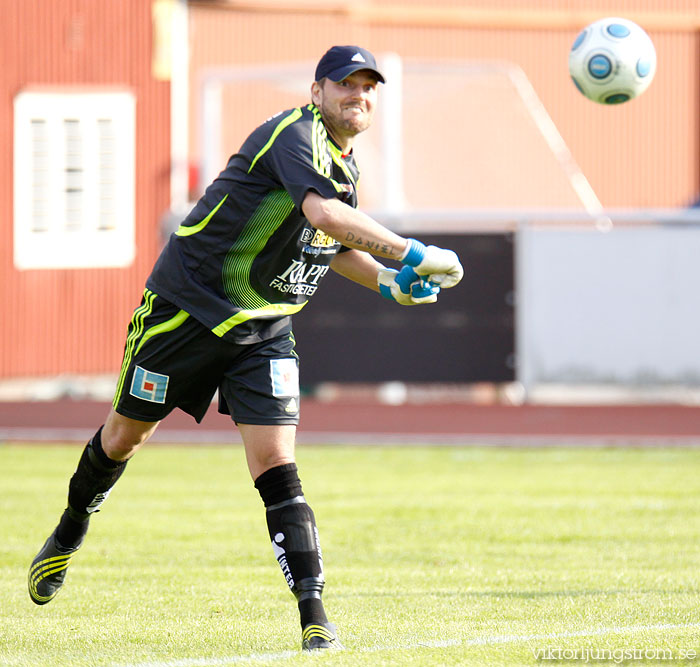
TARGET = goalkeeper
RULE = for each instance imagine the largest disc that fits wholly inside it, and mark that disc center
(216, 315)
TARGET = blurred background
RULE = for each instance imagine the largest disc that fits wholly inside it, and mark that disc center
(576, 222)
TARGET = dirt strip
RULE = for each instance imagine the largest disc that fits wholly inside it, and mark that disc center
(357, 421)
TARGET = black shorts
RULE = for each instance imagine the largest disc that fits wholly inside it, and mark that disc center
(173, 361)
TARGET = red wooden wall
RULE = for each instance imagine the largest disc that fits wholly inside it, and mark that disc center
(56, 321)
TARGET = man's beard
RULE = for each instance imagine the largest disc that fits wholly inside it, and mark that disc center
(349, 126)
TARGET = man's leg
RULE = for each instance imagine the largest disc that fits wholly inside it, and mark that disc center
(102, 463)
(291, 524)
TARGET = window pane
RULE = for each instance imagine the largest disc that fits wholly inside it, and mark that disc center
(40, 175)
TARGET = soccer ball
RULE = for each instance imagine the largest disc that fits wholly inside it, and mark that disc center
(612, 61)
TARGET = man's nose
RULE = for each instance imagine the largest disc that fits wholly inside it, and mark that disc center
(358, 92)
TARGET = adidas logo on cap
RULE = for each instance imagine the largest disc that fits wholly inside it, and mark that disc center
(358, 58)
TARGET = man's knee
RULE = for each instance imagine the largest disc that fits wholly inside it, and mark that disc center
(122, 436)
(267, 446)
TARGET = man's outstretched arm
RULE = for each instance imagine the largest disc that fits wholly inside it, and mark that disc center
(351, 227)
(359, 267)
(359, 231)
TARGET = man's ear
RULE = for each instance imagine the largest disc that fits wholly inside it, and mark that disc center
(315, 92)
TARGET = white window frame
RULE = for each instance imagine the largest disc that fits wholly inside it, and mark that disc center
(74, 179)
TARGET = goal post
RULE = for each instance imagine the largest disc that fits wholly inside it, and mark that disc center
(483, 142)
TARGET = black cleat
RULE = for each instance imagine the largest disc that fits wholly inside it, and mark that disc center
(319, 636)
(48, 570)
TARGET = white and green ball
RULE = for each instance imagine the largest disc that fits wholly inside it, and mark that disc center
(612, 61)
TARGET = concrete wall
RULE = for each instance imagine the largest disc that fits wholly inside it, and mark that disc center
(615, 308)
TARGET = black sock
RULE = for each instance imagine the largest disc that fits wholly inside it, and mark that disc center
(294, 536)
(71, 531)
(88, 489)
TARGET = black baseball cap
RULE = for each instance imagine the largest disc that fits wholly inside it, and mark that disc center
(341, 61)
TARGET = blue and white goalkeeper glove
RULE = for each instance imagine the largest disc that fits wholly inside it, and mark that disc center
(440, 266)
(406, 287)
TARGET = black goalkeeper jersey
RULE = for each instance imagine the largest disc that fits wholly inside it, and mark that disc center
(245, 258)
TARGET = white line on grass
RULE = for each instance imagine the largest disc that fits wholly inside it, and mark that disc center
(477, 641)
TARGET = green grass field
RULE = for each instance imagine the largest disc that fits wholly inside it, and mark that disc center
(434, 556)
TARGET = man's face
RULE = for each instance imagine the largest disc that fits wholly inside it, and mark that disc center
(347, 106)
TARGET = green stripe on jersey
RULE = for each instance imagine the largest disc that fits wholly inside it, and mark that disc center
(323, 151)
(189, 230)
(169, 325)
(294, 115)
(338, 159)
(272, 309)
(270, 214)
(135, 331)
(319, 144)
(294, 342)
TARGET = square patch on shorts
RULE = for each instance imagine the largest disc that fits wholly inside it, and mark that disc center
(284, 374)
(149, 386)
